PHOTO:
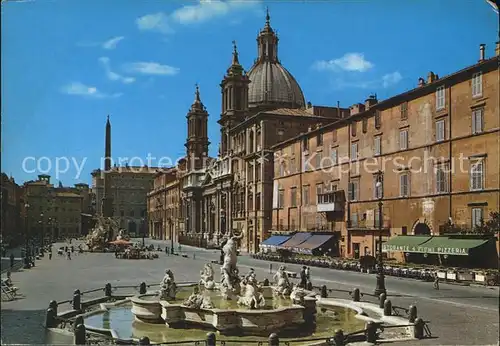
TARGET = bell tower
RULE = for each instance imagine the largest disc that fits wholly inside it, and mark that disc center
(234, 88)
(197, 135)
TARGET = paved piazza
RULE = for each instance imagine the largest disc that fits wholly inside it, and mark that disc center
(458, 315)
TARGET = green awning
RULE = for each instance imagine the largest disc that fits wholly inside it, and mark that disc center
(404, 243)
(432, 245)
(449, 246)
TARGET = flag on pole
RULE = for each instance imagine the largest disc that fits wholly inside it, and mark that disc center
(495, 4)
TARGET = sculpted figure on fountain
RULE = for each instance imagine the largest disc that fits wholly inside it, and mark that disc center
(230, 280)
(252, 297)
(283, 286)
(168, 288)
(198, 301)
(207, 277)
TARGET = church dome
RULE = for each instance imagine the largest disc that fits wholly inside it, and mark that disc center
(271, 84)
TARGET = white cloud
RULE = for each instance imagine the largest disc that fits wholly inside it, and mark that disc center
(349, 62)
(152, 68)
(391, 79)
(385, 81)
(80, 89)
(202, 11)
(113, 75)
(155, 22)
(112, 43)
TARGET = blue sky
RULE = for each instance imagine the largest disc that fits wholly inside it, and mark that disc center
(67, 64)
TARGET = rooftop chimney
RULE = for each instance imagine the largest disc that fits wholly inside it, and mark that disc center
(497, 49)
(421, 82)
(370, 101)
(431, 77)
(357, 108)
(482, 47)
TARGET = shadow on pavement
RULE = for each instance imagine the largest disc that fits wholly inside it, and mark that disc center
(23, 326)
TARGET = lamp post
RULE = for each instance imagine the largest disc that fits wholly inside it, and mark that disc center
(380, 288)
(41, 230)
(171, 235)
(26, 236)
(143, 231)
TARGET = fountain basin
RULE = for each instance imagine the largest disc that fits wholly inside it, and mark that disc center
(147, 308)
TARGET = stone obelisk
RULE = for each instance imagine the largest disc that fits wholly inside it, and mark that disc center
(107, 199)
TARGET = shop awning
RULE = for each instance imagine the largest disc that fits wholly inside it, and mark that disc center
(404, 243)
(296, 239)
(275, 240)
(449, 246)
(315, 241)
(432, 245)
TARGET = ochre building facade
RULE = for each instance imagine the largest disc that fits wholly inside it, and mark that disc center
(434, 150)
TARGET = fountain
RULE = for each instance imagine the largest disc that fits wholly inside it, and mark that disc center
(104, 229)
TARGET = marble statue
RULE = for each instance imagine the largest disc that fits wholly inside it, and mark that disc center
(283, 286)
(297, 295)
(207, 277)
(122, 235)
(99, 237)
(198, 301)
(230, 280)
(252, 298)
(168, 288)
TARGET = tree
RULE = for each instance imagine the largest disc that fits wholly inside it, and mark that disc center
(490, 226)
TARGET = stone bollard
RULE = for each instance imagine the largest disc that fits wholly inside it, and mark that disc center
(142, 288)
(324, 291)
(144, 341)
(77, 300)
(80, 335)
(371, 332)
(107, 290)
(266, 282)
(418, 329)
(388, 308)
(338, 337)
(77, 322)
(50, 318)
(412, 314)
(53, 305)
(356, 295)
(381, 299)
(211, 339)
(274, 340)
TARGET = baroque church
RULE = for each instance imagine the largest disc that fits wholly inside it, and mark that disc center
(234, 192)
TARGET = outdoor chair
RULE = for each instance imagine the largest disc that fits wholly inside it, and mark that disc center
(8, 292)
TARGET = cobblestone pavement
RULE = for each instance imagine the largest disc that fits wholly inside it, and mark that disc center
(458, 315)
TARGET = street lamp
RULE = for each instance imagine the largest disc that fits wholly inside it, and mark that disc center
(42, 230)
(143, 232)
(380, 288)
(26, 236)
(171, 235)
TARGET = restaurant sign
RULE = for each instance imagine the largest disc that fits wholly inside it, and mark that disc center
(440, 250)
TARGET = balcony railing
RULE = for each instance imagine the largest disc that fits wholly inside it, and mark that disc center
(331, 201)
(369, 224)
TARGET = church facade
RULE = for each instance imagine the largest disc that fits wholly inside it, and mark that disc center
(234, 192)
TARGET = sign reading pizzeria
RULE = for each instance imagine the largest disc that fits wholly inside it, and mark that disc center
(441, 250)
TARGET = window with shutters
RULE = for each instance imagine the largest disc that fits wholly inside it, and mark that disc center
(377, 146)
(404, 185)
(293, 197)
(319, 139)
(333, 186)
(440, 130)
(282, 169)
(258, 169)
(354, 220)
(257, 201)
(477, 217)
(403, 139)
(354, 151)
(477, 175)
(334, 156)
(305, 195)
(365, 125)
(477, 120)
(353, 190)
(293, 167)
(281, 198)
(319, 158)
(319, 190)
(305, 144)
(440, 98)
(378, 120)
(353, 129)
(442, 179)
(477, 84)
(334, 135)
(404, 110)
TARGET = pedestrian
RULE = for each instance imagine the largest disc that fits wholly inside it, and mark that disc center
(4, 252)
(270, 268)
(72, 249)
(68, 254)
(50, 254)
(436, 281)
(11, 260)
(303, 278)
